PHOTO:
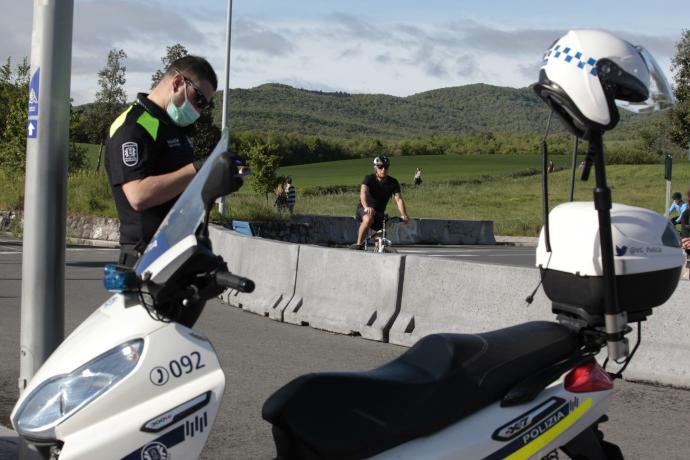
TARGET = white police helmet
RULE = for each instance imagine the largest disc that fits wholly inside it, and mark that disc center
(586, 71)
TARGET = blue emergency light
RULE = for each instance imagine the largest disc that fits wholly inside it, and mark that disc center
(120, 279)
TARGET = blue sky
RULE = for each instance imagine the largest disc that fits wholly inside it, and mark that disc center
(394, 47)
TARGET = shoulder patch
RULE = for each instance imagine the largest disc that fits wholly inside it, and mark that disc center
(130, 153)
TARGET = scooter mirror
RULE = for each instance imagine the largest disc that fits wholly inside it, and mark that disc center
(222, 180)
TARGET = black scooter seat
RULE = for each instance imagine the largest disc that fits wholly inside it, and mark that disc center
(440, 380)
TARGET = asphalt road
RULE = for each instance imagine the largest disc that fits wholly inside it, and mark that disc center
(260, 355)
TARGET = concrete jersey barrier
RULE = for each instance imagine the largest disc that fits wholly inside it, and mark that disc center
(439, 231)
(664, 354)
(335, 230)
(272, 265)
(400, 299)
(350, 292)
(449, 296)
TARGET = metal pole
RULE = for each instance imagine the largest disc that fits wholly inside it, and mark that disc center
(668, 164)
(45, 192)
(573, 166)
(225, 123)
(226, 86)
(43, 260)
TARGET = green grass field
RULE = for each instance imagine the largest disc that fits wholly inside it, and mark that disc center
(91, 155)
(513, 203)
(435, 168)
(491, 187)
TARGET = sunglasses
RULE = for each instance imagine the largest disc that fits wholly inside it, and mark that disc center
(199, 97)
(381, 167)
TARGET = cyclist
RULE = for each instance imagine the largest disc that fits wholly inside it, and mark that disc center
(374, 194)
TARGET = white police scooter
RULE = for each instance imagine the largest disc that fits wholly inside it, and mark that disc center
(134, 381)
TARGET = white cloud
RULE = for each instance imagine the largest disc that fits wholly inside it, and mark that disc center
(341, 51)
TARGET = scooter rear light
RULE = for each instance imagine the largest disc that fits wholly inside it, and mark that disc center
(588, 377)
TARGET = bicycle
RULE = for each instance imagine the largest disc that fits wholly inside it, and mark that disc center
(376, 240)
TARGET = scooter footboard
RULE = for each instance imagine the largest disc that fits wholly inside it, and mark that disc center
(526, 431)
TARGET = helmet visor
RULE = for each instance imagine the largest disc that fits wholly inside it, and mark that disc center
(660, 93)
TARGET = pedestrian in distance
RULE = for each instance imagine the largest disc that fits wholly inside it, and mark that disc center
(677, 207)
(281, 198)
(374, 193)
(291, 195)
(684, 221)
(418, 176)
(149, 157)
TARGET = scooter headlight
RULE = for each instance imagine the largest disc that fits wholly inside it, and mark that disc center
(60, 397)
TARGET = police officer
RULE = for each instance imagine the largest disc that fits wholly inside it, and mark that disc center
(150, 159)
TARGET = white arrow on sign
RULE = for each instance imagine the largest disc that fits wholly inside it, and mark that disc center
(31, 129)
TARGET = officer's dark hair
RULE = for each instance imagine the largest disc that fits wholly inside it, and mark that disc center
(196, 66)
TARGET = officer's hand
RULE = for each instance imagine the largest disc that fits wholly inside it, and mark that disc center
(245, 171)
(239, 170)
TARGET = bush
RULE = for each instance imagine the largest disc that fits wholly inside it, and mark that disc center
(11, 190)
(88, 194)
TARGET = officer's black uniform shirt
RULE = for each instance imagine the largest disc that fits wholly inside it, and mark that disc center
(143, 141)
(380, 191)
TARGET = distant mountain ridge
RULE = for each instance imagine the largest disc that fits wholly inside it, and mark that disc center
(454, 110)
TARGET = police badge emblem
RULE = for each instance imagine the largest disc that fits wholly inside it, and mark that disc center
(155, 451)
(130, 153)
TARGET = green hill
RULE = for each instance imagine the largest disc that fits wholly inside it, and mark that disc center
(455, 110)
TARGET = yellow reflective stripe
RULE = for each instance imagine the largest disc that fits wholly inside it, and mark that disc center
(119, 121)
(150, 124)
(535, 446)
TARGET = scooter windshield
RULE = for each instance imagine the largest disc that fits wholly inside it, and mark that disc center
(660, 93)
(185, 217)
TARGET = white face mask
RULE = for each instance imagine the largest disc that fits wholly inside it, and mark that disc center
(184, 115)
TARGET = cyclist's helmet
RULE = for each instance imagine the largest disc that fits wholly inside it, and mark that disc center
(584, 72)
(677, 196)
(382, 160)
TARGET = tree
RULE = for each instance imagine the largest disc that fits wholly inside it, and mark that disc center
(680, 114)
(172, 54)
(77, 154)
(264, 165)
(110, 99)
(14, 99)
(205, 134)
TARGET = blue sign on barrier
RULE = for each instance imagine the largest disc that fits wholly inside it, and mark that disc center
(33, 93)
(32, 129)
(242, 227)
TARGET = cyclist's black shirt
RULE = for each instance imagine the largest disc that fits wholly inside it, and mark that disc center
(380, 191)
(143, 142)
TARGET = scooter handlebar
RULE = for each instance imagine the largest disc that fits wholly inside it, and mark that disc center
(228, 280)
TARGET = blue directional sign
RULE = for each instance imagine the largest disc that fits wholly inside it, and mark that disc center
(33, 93)
(32, 129)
